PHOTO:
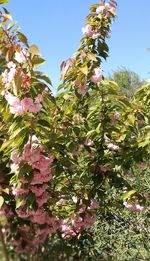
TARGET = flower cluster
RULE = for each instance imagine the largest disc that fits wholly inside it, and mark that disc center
(9, 74)
(28, 237)
(114, 118)
(89, 32)
(21, 56)
(134, 207)
(97, 76)
(44, 222)
(84, 218)
(19, 107)
(105, 8)
(110, 145)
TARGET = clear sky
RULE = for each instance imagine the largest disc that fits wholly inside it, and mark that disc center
(55, 26)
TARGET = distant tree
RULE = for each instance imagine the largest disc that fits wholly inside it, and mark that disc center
(128, 80)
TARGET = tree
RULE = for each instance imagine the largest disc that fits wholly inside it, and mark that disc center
(65, 157)
(128, 81)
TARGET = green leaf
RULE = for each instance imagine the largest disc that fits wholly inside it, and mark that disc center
(1, 201)
(19, 202)
(4, 2)
(33, 49)
(92, 56)
(22, 38)
(128, 194)
(37, 61)
(43, 77)
(84, 69)
(6, 144)
(131, 119)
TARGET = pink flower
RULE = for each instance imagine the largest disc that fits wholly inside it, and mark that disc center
(27, 103)
(115, 117)
(8, 74)
(39, 217)
(87, 30)
(22, 213)
(38, 190)
(42, 199)
(89, 142)
(77, 222)
(19, 191)
(113, 147)
(26, 80)
(27, 153)
(61, 202)
(40, 178)
(67, 230)
(142, 165)
(89, 220)
(134, 207)
(94, 205)
(11, 99)
(36, 107)
(15, 157)
(103, 168)
(97, 77)
(39, 98)
(35, 155)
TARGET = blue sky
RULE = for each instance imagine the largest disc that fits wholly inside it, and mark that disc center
(55, 26)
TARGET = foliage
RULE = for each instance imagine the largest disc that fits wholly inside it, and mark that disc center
(66, 158)
(128, 81)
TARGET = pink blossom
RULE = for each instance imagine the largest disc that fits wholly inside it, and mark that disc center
(39, 216)
(42, 199)
(39, 178)
(89, 142)
(97, 77)
(115, 117)
(8, 74)
(61, 202)
(142, 165)
(27, 153)
(77, 222)
(113, 147)
(36, 107)
(26, 80)
(42, 164)
(39, 98)
(87, 30)
(22, 213)
(94, 205)
(15, 157)
(67, 230)
(19, 191)
(35, 155)
(89, 220)
(24, 180)
(134, 207)
(27, 103)
(103, 168)
(11, 99)
(38, 190)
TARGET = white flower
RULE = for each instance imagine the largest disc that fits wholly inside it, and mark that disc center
(20, 57)
(100, 9)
